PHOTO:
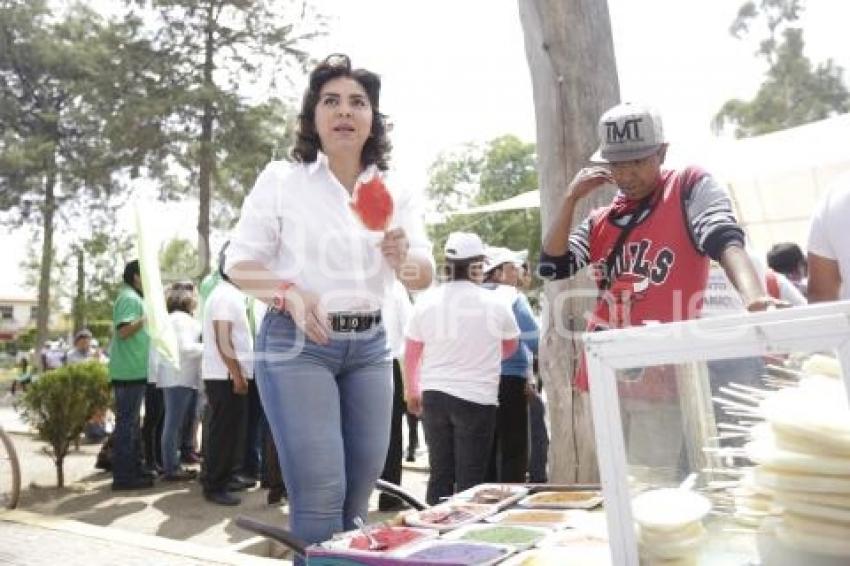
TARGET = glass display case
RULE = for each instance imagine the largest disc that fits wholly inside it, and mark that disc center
(726, 441)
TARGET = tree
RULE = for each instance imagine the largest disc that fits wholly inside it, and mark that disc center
(219, 139)
(570, 53)
(60, 402)
(473, 176)
(60, 110)
(178, 259)
(793, 92)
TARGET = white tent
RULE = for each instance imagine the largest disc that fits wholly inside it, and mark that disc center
(774, 179)
(530, 199)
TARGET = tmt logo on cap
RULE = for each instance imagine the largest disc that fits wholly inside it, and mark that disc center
(627, 132)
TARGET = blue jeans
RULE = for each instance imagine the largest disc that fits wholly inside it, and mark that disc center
(127, 436)
(178, 401)
(328, 408)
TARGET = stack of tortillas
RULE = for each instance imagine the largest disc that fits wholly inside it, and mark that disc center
(803, 457)
(752, 502)
(669, 524)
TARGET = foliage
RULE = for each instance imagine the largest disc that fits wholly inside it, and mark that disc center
(66, 81)
(178, 260)
(473, 176)
(794, 92)
(59, 403)
(218, 138)
(101, 330)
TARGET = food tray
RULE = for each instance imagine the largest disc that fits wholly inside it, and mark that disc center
(456, 553)
(355, 543)
(449, 515)
(501, 495)
(547, 518)
(562, 500)
(575, 537)
(561, 556)
(519, 537)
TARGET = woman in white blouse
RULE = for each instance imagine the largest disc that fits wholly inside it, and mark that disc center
(323, 366)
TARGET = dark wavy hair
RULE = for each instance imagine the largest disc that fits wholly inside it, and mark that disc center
(460, 269)
(307, 143)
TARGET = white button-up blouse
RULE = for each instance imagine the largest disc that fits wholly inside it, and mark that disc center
(298, 223)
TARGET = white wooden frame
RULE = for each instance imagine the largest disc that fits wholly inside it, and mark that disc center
(808, 329)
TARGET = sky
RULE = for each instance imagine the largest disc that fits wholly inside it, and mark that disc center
(455, 71)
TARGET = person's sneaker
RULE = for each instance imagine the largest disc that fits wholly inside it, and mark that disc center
(222, 498)
(238, 484)
(191, 458)
(138, 483)
(275, 495)
(181, 475)
(151, 473)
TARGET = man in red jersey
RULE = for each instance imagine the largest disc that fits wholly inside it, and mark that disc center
(649, 249)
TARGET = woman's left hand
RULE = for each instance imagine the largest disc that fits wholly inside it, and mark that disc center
(394, 247)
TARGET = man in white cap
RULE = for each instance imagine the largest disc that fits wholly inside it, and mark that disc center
(649, 249)
(509, 458)
(456, 338)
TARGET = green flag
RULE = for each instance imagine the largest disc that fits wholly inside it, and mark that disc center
(160, 329)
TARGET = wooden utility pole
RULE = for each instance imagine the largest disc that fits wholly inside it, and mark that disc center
(570, 53)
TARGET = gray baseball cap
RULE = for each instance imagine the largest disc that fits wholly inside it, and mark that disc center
(628, 131)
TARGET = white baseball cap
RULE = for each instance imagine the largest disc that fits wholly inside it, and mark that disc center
(463, 245)
(627, 132)
(496, 256)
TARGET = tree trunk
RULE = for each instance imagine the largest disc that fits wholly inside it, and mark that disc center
(59, 461)
(46, 257)
(570, 53)
(206, 155)
(80, 298)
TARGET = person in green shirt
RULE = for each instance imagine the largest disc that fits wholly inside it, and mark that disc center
(128, 371)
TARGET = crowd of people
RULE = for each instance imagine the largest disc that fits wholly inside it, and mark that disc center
(304, 353)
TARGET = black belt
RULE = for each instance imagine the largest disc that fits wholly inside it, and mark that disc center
(354, 321)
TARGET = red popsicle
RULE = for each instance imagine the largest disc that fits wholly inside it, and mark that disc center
(373, 204)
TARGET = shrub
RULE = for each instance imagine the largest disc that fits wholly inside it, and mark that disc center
(60, 402)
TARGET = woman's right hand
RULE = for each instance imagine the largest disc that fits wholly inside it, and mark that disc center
(306, 311)
(586, 181)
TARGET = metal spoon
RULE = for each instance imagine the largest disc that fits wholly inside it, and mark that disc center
(374, 544)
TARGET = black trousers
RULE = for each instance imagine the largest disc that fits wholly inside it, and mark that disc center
(459, 435)
(538, 452)
(412, 432)
(252, 442)
(272, 474)
(392, 465)
(222, 430)
(509, 457)
(152, 426)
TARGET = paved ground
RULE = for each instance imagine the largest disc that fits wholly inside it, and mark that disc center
(169, 524)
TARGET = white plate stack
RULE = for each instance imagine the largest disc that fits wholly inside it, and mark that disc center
(803, 457)
(669, 522)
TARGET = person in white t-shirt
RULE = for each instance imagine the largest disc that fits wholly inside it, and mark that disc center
(456, 339)
(829, 246)
(226, 366)
(322, 240)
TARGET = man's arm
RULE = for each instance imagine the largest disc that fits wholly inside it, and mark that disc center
(824, 279)
(557, 260)
(127, 329)
(556, 242)
(224, 345)
(739, 269)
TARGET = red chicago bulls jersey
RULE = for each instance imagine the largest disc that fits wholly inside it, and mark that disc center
(659, 275)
